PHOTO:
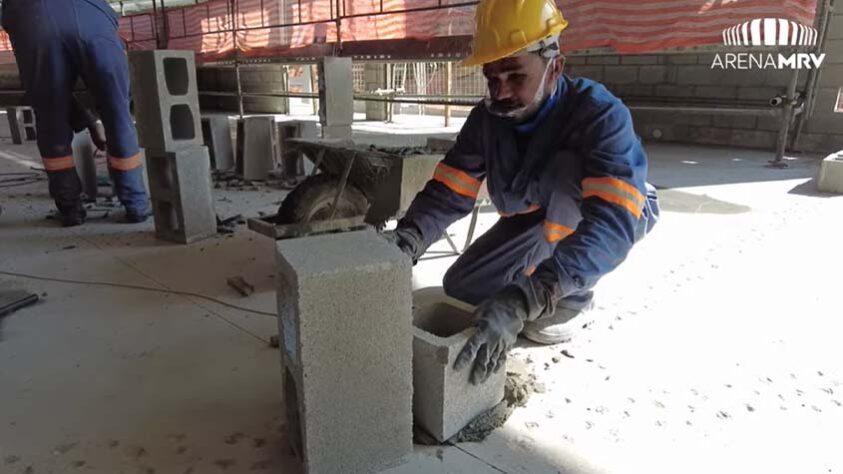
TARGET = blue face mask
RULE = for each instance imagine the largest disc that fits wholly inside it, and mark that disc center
(520, 113)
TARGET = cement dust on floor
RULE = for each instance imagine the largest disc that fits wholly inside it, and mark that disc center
(715, 350)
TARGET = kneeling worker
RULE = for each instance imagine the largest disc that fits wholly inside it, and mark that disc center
(565, 170)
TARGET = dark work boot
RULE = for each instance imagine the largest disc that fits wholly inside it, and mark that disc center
(135, 217)
(72, 215)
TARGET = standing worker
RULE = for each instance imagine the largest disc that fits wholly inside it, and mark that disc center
(565, 170)
(55, 42)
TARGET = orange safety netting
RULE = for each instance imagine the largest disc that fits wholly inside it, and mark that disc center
(270, 27)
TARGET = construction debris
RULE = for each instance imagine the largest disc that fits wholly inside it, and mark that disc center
(242, 286)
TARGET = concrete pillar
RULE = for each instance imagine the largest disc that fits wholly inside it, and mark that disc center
(257, 147)
(345, 324)
(375, 78)
(336, 97)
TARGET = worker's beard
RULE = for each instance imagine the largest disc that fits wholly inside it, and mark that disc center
(519, 113)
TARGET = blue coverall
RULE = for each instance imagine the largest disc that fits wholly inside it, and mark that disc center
(56, 42)
(570, 186)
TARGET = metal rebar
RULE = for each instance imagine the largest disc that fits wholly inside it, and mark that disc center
(343, 183)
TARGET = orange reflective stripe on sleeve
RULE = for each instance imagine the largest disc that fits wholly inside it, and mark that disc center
(457, 181)
(615, 191)
(554, 232)
(124, 164)
(58, 164)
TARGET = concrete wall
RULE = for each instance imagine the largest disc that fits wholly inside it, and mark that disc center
(259, 79)
(688, 79)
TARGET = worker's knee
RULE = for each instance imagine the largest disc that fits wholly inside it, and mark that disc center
(454, 284)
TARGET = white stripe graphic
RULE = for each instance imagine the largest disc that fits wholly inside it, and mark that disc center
(770, 32)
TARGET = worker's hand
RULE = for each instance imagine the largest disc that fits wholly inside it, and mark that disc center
(499, 321)
(409, 240)
(97, 132)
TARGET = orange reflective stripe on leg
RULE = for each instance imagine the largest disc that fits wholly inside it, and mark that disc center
(124, 164)
(58, 164)
(615, 191)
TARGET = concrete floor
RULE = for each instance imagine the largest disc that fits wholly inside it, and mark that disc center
(716, 348)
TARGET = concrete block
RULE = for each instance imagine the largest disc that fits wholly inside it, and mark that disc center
(21, 124)
(820, 143)
(180, 188)
(336, 91)
(761, 94)
(716, 92)
(774, 78)
(640, 60)
(760, 139)
(737, 122)
(825, 122)
(166, 99)
(620, 75)
(683, 59)
(216, 132)
(834, 51)
(656, 74)
(444, 400)
(345, 324)
(603, 60)
(699, 75)
(632, 90)
(590, 72)
(291, 159)
(835, 29)
(257, 146)
(831, 75)
(831, 174)
(665, 90)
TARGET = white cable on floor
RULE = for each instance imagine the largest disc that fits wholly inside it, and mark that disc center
(140, 288)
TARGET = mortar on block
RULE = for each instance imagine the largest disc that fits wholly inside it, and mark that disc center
(444, 400)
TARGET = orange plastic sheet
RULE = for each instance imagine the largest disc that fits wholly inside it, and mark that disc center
(270, 27)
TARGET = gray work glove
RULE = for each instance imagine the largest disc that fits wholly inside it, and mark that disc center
(409, 240)
(499, 320)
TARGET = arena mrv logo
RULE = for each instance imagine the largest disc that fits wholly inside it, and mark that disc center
(769, 32)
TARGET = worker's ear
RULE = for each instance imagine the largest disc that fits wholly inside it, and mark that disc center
(556, 68)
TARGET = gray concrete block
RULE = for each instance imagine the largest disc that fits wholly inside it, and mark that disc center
(761, 94)
(831, 75)
(603, 60)
(736, 121)
(699, 75)
(819, 142)
(760, 139)
(834, 52)
(640, 60)
(180, 189)
(216, 132)
(831, 174)
(336, 91)
(21, 124)
(716, 92)
(666, 90)
(575, 60)
(444, 400)
(166, 99)
(682, 59)
(590, 72)
(345, 324)
(835, 29)
(257, 147)
(825, 122)
(657, 74)
(632, 90)
(620, 75)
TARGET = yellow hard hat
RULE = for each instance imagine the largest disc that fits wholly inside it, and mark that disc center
(505, 27)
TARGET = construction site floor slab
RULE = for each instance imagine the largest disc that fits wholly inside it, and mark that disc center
(716, 347)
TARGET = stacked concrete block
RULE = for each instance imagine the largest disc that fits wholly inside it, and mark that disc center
(216, 131)
(166, 99)
(21, 124)
(168, 122)
(336, 97)
(257, 146)
(292, 160)
(831, 174)
(375, 78)
(345, 325)
(444, 400)
(180, 185)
